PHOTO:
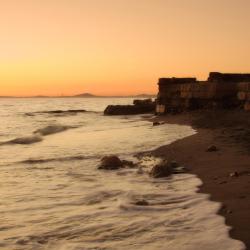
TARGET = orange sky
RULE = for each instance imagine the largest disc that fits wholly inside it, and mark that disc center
(111, 47)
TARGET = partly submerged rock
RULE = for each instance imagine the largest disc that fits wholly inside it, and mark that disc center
(163, 169)
(111, 162)
(128, 109)
(166, 168)
(156, 123)
(139, 107)
(174, 164)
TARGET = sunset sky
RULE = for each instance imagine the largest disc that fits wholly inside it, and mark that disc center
(117, 47)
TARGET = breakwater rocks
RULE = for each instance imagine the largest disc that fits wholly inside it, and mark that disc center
(139, 107)
(219, 91)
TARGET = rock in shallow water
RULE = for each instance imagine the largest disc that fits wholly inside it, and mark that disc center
(111, 162)
(163, 169)
(139, 107)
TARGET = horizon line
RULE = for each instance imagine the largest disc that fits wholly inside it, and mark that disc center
(87, 95)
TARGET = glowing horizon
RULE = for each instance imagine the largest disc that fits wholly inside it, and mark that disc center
(117, 47)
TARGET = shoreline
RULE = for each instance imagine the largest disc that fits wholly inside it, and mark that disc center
(225, 174)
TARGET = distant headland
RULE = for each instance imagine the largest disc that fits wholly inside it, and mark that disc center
(85, 95)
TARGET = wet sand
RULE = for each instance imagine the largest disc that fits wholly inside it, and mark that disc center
(217, 169)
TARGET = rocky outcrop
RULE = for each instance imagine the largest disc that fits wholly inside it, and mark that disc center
(139, 107)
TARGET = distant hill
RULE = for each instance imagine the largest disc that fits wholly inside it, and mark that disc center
(85, 95)
(88, 95)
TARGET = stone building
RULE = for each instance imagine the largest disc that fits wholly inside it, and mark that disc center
(220, 90)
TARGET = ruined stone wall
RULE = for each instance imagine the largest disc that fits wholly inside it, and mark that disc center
(243, 94)
(228, 77)
(178, 94)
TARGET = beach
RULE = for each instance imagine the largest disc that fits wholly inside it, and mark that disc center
(54, 196)
(225, 173)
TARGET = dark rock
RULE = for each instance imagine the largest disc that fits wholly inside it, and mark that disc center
(212, 148)
(142, 203)
(156, 123)
(110, 163)
(113, 162)
(164, 169)
(139, 107)
(174, 164)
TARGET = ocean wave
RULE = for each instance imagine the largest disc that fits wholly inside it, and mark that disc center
(52, 129)
(58, 112)
(24, 140)
(38, 135)
(60, 159)
(69, 112)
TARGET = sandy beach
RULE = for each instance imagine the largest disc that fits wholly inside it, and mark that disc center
(225, 173)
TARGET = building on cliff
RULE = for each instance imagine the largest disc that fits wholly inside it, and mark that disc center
(220, 90)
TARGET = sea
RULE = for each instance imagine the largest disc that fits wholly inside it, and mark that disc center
(54, 197)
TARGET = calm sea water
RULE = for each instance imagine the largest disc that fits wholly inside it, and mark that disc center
(54, 197)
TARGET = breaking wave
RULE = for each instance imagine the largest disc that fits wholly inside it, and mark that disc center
(58, 112)
(57, 159)
(38, 135)
(52, 129)
(24, 140)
